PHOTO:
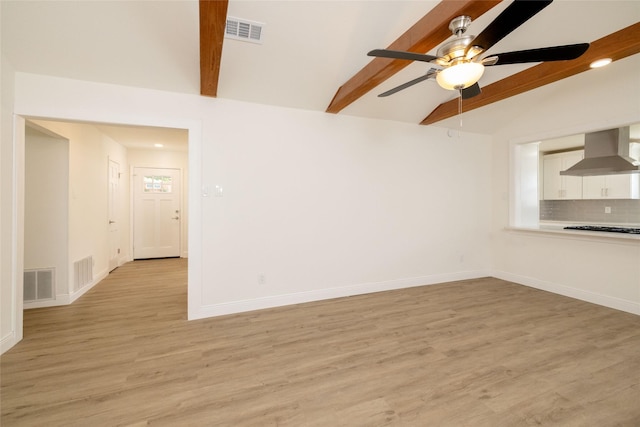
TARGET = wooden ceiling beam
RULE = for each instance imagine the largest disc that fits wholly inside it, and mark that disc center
(213, 19)
(424, 35)
(618, 45)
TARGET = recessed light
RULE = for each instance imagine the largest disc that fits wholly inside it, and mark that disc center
(600, 63)
(158, 145)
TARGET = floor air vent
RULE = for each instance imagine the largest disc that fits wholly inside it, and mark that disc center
(242, 29)
(82, 273)
(38, 284)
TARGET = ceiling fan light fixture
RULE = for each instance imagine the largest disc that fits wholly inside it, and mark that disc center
(454, 49)
(473, 51)
(460, 76)
(600, 63)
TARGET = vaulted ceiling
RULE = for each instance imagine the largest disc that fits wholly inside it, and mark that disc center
(424, 36)
(313, 54)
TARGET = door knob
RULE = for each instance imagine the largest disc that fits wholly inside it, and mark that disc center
(111, 222)
(176, 217)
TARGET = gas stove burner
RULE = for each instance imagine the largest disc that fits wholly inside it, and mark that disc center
(604, 228)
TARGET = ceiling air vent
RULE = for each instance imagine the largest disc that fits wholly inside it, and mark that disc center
(242, 29)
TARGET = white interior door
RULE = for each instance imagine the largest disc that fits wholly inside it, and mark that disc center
(156, 212)
(114, 233)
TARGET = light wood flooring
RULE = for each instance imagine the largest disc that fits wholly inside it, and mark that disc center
(471, 353)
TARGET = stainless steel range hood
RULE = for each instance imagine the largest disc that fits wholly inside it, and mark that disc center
(605, 153)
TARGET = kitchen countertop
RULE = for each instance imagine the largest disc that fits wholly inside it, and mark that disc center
(557, 228)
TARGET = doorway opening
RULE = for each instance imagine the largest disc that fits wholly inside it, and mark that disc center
(96, 223)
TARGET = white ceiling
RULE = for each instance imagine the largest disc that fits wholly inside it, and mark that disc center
(310, 48)
(147, 138)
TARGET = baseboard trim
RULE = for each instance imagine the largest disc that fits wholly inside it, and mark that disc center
(7, 342)
(233, 307)
(96, 279)
(568, 291)
(61, 299)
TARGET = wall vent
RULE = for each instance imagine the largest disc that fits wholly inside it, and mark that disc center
(82, 273)
(242, 29)
(38, 284)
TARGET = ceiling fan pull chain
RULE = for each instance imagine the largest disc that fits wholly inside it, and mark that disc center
(460, 110)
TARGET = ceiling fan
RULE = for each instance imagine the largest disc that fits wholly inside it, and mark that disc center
(459, 65)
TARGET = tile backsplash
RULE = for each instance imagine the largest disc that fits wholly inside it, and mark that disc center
(623, 211)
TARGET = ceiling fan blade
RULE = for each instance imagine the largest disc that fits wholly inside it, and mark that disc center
(430, 73)
(471, 91)
(398, 54)
(545, 54)
(516, 14)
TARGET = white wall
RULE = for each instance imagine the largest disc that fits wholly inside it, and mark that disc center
(321, 205)
(46, 225)
(604, 271)
(89, 154)
(326, 205)
(167, 159)
(10, 321)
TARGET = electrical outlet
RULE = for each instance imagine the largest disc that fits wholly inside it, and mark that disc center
(607, 209)
(262, 279)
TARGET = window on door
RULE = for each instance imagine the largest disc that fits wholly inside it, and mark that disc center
(156, 184)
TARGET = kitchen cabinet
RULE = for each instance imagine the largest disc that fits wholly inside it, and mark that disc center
(621, 186)
(624, 186)
(556, 186)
